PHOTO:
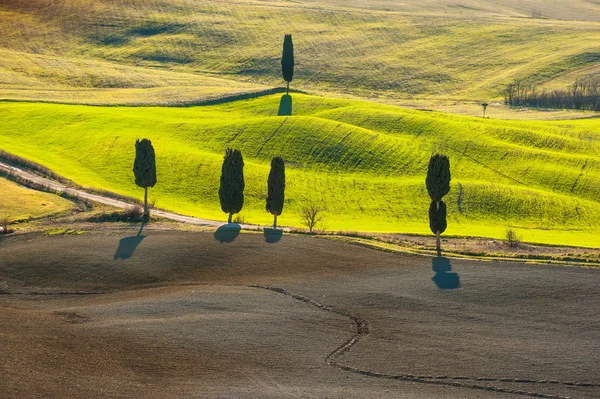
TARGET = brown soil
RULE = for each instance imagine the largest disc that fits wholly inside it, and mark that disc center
(177, 315)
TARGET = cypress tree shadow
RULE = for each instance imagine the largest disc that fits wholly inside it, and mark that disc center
(128, 245)
(444, 279)
(227, 233)
(272, 236)
(285, 105)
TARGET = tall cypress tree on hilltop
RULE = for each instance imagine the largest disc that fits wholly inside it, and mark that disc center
(276, 190)
(438, 185)
(144, 168)
(231, 191)
(287, 61)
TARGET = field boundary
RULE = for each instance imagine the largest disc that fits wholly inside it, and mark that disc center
(373, 243)
(209, 100)
(362, 331)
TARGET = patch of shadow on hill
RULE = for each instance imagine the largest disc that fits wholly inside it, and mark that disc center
(128, 245)
(272, 236)
(227, 233)
(444, 279)
(285, 105)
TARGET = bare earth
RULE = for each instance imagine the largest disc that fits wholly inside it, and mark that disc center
(179, 315)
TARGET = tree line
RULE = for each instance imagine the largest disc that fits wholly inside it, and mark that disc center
(584, 94)
(232, 184)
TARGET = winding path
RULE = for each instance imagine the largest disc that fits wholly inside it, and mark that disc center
(362, 330)
(60, 187)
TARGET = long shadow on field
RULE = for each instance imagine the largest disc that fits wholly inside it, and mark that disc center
(227, 233)
(285, 106)
(272, 236)
(444, 279)
(128, 245)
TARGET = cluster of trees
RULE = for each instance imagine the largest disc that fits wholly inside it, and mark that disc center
(231, 189)
(232, 185)
(584, 94)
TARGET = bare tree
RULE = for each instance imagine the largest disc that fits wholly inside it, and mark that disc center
(312, 215)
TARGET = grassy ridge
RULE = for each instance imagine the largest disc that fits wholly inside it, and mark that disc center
(365, 162)
(155, 52)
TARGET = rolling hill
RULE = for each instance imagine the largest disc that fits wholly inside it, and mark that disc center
(181, 51)
(365, 162)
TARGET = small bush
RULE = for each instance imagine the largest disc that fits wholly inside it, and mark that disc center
(239, 219)
(5, 225)
(512, 238)
(133, 213)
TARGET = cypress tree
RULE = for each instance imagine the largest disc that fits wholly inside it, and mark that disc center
(231, 191)
(438, 185)
(144, 168)
(287, 61)
(276, 190)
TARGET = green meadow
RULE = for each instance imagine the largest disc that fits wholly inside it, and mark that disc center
(365, 162)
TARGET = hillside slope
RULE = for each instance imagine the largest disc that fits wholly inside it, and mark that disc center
(365, 162)
(157, 52)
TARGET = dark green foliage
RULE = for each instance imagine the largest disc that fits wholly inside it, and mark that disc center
(231, 191)
(276, 190)
(438, 177)
(144, 166)
(437, 217)
(287, 59)
(438, 185)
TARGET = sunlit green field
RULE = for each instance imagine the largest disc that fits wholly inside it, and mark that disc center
(365, 162)
(20, 203)
(159, 52)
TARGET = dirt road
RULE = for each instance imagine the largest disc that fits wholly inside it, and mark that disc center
(54, 185)
(179, 315)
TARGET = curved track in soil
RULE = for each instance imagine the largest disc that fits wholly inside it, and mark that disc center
(362, 331)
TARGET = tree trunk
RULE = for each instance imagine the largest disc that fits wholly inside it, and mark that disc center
(288, 88)
(230, 216)
(438, 245)
(275, 222)
(145, 202)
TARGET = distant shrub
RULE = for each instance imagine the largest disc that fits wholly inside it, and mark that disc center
(5, 225)
(133, 213)
(512, 238)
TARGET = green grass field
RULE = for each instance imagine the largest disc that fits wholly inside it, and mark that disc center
(424, 53)
(20, 203)
(365, 162)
